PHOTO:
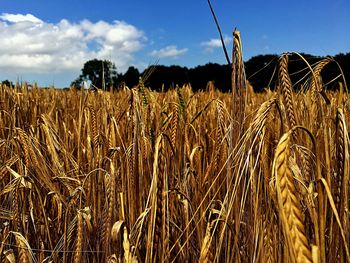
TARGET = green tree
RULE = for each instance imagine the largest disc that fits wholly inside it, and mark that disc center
(101, 73)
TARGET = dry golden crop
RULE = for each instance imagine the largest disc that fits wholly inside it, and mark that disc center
(140, 176)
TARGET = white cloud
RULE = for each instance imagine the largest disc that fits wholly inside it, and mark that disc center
(169, 52)
(17, 18)
(29, 44)
(214, 43)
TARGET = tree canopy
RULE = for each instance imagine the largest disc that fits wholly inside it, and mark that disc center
(130, 77)
(101, 73)
(7, 83)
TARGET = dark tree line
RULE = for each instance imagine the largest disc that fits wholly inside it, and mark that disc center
(261, 71)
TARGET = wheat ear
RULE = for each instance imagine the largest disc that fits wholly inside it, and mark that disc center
(286, 86)
(79, 242)
(289, 205)
(316, 82)
(21, 243)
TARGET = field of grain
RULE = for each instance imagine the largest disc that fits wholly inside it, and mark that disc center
(139, 176)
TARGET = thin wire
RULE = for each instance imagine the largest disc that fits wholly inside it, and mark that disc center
(259, 70)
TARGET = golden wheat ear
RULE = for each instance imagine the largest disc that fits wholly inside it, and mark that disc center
(291, 215)
(286, 88)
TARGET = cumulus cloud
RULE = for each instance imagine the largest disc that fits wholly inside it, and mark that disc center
(169, 52)
(214, 43)
(29, 44)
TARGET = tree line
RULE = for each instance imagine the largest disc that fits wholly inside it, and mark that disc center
(260, 71)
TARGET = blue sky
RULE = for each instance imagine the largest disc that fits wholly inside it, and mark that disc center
(48, 41)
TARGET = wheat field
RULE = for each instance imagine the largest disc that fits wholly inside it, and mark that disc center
(136, 175)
